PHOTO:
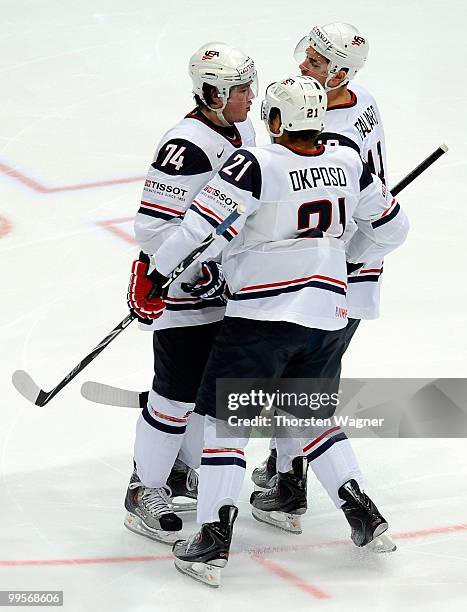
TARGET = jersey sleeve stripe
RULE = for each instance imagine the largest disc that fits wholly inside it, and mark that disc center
(213, 219)
(368, 278)
(155, 213)
(160, 212)
(366, 275)
(387, 218)
(178, 213)
(389, 208)
(370, 270)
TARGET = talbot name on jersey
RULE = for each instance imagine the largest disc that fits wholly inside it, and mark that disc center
(317, 177)
(366, 122)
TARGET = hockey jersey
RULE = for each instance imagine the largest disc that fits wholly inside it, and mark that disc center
(284, 259)
(188, 156)
(358, 124)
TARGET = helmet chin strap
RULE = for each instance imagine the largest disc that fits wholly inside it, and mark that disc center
(220, 115)
(273, 135)
(219, 112)
(329, 78)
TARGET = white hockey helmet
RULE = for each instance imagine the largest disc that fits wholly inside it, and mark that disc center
(222, 66)
(302, 102)
(341, 44)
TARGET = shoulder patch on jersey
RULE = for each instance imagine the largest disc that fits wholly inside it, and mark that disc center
(366, 177)
(179, 157)
(333, 139)
(242, 170)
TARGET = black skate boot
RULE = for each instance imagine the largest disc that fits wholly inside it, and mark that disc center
(202, 556)
(367, 524)
(264, 476)
(149, 512)
(282, 505)
(183, 482)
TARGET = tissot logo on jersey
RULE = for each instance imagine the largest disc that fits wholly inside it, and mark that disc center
(171, 191)
(222, 198)
(210, 55)
(366, 121)
(317, 177)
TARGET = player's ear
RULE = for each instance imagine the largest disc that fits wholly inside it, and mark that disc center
(211, 95)
(216, 100)
(340, 76)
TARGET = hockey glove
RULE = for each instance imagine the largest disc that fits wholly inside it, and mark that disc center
(353, 267)
(141, 284)
(211, 285)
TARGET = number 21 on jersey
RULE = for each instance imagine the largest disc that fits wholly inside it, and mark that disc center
(311, 227)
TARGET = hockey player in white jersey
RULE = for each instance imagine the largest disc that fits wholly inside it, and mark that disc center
(168, 436)
(284, 261)
(333, 54)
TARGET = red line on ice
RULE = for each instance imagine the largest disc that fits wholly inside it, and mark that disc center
(5, 226)
(252, 551)
(40, 188)
(290, 577)
(112, 226)
(92, 560)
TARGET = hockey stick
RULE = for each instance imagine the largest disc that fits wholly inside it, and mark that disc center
(114, 396)
(426, 163)
(25, 385)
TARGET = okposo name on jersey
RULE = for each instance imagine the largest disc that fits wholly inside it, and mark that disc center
(317, 177)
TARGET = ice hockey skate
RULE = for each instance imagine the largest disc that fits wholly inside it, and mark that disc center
(283, 504)
(367, 524)
(204, 554)
(183, 483)
(263, 477)
(149, 512)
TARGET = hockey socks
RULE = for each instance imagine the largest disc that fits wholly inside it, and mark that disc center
(159, 435)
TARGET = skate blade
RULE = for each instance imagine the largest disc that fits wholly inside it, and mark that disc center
(282, 520)
(136, 525)
(202, 572)
(381, 543)
(181, 506)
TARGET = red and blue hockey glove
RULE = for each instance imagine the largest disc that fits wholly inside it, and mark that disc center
(211, 285)
(141, 284)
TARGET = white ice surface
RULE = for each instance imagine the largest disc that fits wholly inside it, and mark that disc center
(88, 88)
